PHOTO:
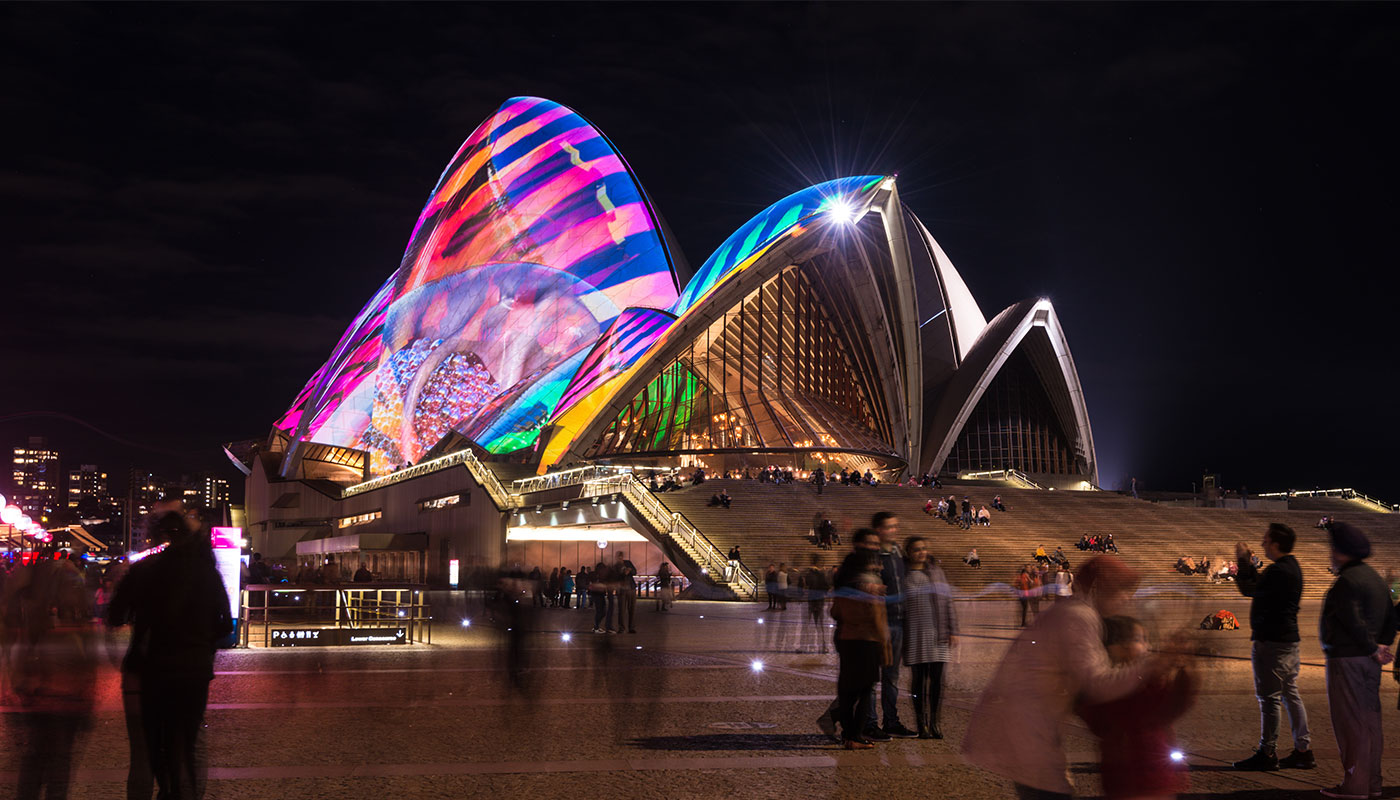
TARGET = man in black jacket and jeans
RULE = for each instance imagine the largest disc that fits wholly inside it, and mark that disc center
(1273, 623)
(1358, 625)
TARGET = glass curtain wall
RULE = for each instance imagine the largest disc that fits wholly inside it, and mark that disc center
(1015, 427)
(770, 373)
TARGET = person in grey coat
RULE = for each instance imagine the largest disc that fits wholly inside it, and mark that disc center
(930, 633)
(1357, 628)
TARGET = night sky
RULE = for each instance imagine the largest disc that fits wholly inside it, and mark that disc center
(198, 198)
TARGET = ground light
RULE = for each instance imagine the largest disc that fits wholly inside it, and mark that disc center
(568, 637)
(1178, 756)
(760, 620)
(466, 623)
(756, 665)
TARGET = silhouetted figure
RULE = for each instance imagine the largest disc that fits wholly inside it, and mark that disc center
(363, 575)
(179, 611)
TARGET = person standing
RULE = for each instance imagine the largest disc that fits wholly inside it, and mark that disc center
(1273, 625)
(1025, 585)
(862, 639)
(664, 593)
(179, 611)
(814, 584)
(625, 574)
(598, 597)
(886, 524)
(782, 584)
(1357, 628)
(930, 633)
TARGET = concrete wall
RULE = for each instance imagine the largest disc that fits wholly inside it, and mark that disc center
(473, 531)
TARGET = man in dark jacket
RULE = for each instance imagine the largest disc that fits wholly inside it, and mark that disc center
(1358, 625)
(1273, 623)
(886, 524)
(179, 610)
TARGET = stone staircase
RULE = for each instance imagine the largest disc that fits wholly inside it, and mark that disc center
(772, 524)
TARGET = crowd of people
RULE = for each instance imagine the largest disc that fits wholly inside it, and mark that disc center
(947, 509)
(1097, 543)
(610, 589)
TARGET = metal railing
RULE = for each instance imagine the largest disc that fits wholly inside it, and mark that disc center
(1344, 493)
(290, 609)
(1007, 474)
(568, 477)
(480, 473)
(711, 560)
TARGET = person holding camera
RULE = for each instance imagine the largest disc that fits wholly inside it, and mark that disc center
(1273, 623)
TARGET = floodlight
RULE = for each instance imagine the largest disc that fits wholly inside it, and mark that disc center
(756, 665)
(838, 210)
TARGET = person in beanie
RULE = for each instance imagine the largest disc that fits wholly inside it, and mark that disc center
(1273, 625)
(1015, 730)
(1357, 628)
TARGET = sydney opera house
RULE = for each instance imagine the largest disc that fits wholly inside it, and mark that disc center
(543, 319)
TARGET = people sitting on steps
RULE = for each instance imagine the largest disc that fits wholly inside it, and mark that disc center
(984, 517)
(997, 504)
(972, 559)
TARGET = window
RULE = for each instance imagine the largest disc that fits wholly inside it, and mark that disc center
(446, 501)
(359, 519)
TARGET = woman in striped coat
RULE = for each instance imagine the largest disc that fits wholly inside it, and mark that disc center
(930, 630)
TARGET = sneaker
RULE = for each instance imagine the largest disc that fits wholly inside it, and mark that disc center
(898, 731)
(1261, 761)
(874, 734)
(1298, 760)
(857, 744)
(827, 725)
(1339, 792)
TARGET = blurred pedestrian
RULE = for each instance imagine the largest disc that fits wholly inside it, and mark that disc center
(1015, 728)
(1135, 732)
(862, 637)
(664, 593)
(886, 524)
(54, 673)
(930, 633)
(1357, 628)
(625, 576)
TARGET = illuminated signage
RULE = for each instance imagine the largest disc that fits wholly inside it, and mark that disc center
(333, 637)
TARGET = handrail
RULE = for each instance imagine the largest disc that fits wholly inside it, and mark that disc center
(480, 473)
(568, 477)
(673, 522)
(1344, 493)
(1009, 474)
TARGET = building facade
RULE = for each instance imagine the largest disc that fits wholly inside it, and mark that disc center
(38, 479)
(538, 319)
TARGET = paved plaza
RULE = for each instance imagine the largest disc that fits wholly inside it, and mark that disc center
(705, 701)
